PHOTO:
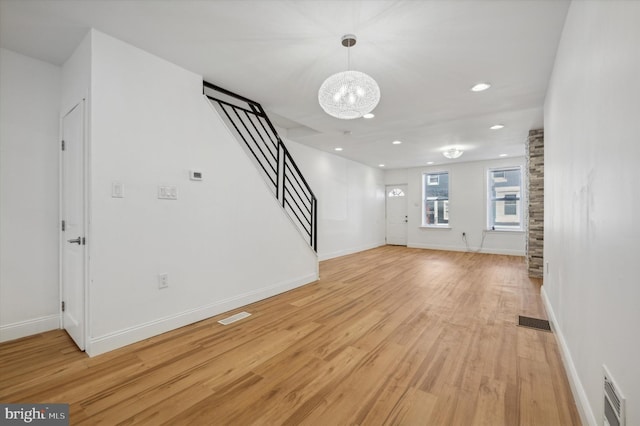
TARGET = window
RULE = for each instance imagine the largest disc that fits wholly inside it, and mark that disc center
(499, 176)
(396, 192)
(510, 204)
(435, 199)
(504, 198)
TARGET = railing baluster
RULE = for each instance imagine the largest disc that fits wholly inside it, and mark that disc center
(248, 145)
(284, 180)
(260, 136)
(296, 197)
(299, 208)
(255, 142)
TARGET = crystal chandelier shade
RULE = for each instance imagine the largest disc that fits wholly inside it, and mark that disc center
(349, 94)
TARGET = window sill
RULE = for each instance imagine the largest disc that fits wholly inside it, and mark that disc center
(499, 230)
(436, 227)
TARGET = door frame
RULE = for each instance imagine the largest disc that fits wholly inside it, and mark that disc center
(82, 103)
(386, 213)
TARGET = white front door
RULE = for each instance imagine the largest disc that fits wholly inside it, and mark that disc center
(397, 214)
(73, 217)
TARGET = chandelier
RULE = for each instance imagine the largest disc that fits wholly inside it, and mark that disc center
(453, 153)
(349, 94)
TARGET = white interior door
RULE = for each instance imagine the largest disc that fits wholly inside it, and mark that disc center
(397, 218)
(73, 217)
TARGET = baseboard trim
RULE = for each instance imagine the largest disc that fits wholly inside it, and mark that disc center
(120, 338)
(579, 395)
(331, 255)
(458, 248)
(30, 327)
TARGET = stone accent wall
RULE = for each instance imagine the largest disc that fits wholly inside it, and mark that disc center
(535, 190)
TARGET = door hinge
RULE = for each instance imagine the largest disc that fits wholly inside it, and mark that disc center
(84, 241)
(63, 144)
(64, 225)
(63, 306)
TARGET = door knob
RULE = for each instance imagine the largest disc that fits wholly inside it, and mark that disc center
(76, 241)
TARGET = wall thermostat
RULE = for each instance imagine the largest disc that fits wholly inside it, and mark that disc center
(195, 175)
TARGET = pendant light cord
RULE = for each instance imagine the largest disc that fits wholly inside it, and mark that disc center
(348, 40)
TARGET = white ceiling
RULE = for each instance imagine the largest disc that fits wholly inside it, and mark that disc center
(425, 56)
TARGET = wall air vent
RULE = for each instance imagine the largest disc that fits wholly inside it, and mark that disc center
(614, 402)
(535, 323)
(234, 318)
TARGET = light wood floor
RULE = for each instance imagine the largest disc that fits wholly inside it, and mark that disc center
(387, 336)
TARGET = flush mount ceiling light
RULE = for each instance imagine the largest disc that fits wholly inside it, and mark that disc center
(349, 94)
(368, 115)
(453, 153)
(480, 87)
(337, 149)
(396, 142)
(497, 127)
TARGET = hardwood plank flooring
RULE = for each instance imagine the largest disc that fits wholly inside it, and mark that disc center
(387, 336)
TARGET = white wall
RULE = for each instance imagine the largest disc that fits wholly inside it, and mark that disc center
(29, 143)
(592, 201)
(467, 208)
(350, 201)
(224, 243)
(76, 76)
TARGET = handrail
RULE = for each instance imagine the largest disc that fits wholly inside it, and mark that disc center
(286, 180)
(230, 93)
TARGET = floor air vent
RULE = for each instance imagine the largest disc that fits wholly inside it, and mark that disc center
(614, 403)
(234, 318)
(536, 323)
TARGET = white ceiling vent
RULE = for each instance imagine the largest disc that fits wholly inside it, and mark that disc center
(614, 402)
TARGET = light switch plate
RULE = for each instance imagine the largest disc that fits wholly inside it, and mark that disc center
(117, 190)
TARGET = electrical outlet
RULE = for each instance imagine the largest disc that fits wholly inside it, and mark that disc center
(163, 281)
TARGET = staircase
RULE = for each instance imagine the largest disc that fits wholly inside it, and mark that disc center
(250, 124)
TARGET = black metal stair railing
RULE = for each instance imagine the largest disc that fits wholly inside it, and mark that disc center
(252, 125)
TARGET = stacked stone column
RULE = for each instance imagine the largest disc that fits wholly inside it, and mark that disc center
(535, 189)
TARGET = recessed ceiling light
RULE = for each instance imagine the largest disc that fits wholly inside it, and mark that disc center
(369, 115)
(380, 165)
(497, 127)
(480, 87)
(396, 142)
(503, 155)
(429, 163)
(337, 149)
